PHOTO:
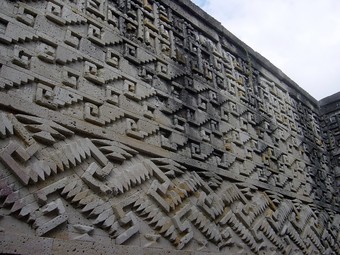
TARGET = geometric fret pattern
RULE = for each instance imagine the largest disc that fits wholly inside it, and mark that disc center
(147, 124)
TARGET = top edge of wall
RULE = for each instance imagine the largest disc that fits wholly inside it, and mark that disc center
(215, 25)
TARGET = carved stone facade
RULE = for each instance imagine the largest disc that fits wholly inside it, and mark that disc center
(145, 127)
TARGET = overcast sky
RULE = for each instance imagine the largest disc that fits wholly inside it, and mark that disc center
(301, 37)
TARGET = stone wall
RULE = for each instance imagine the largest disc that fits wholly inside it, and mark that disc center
(145, 127)
(330, 123)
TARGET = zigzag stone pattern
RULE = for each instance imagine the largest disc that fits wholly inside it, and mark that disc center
(145, 127)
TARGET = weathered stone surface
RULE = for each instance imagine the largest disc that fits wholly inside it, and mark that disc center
(145, 127)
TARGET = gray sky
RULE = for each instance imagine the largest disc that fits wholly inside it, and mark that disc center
(301, 37)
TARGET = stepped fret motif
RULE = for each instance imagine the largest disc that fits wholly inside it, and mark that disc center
(144, 126)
